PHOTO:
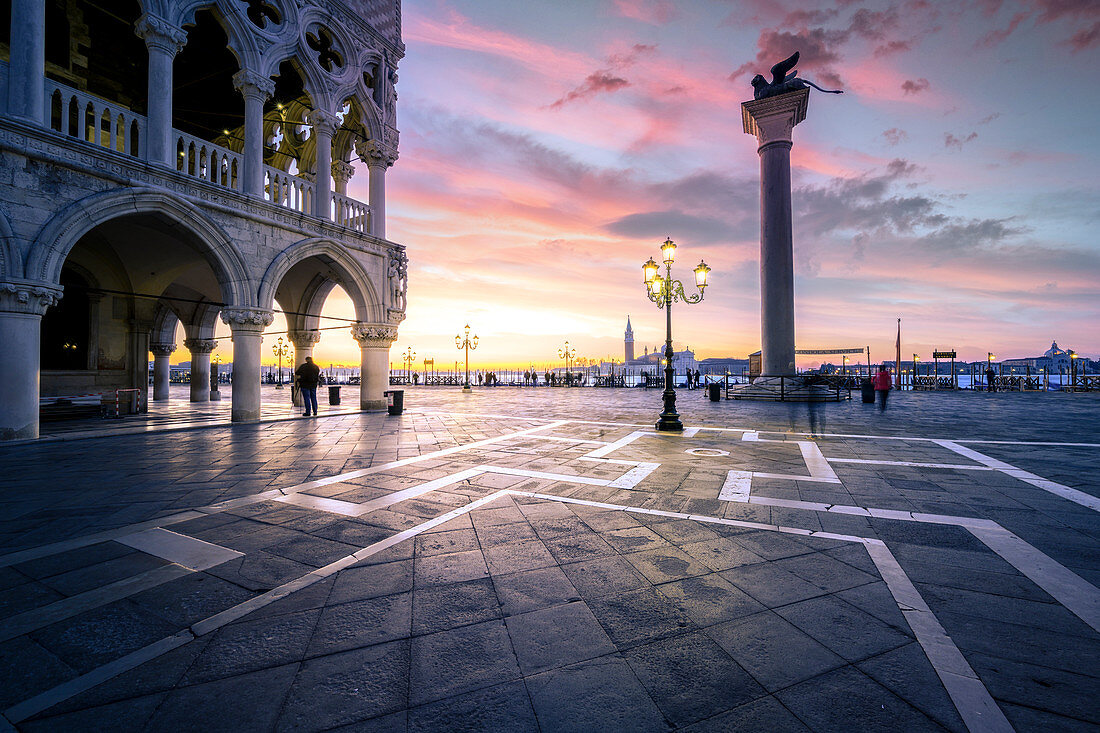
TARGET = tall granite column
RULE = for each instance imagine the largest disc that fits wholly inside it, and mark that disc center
(162, 353)
(27, 66)
(256, 89)
(248, 326)
(374, 342)
(772, 121)
(22, 304)
(200, 349)
(164, 41)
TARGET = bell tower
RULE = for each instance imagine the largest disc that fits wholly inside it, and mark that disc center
(628, 341)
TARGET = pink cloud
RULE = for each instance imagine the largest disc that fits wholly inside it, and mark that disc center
(653, 12)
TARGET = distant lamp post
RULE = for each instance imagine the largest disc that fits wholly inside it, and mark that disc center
(567, 354)
(407, 360)
(280, 349)
(916, 360)
(1073, 369)
(844, 364)
(465, 342)
(664, 291)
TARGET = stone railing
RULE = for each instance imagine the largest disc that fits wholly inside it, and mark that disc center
(347, 212)
(94, 120)
(207, 161)
(283, 189)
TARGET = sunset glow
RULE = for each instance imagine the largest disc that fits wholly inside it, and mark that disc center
(548, 148)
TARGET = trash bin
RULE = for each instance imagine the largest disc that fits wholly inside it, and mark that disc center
(395, 401)
(868, 389)
(334, 394)
(714, 392)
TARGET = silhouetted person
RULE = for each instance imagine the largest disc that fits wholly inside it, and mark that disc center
(990, 380)
(881, 382)
(308, 375)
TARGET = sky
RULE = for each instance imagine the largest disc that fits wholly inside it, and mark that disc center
(549, 146)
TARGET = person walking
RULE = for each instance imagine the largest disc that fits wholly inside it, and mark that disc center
(307, 376)
(882, 382)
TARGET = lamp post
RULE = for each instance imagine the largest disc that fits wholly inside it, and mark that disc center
(1073, 371)
(844, 364)
(280, 349)
(465, 342)
(664, 291)
(407, 360)
(913, 383)
(567, 354)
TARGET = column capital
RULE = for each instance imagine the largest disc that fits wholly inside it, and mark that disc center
(772, 119)
(28, 296)
(375, 153)
(374, 335)
(342, 172)
(252, 84)
(303, 339)
(159, 34)
(324, 123)
(200, 346)
(247, 319)
(162, 349)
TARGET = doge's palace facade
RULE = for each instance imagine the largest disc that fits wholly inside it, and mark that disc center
(168, 162)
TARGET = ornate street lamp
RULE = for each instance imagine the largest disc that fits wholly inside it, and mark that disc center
(280, 349)
(407, 359)
(664, 291)
(465, 342)
(567, 354)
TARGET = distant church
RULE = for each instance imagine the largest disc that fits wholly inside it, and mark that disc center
(681, 360)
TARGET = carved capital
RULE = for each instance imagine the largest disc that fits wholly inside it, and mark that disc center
(200, 346)
(303, 339)
(162, 349)
(341, 171)
(251, 84)
(395, 315)
(159, 34)
(24, 296)
(772, 119)
(375, 153)
(374, 335)
(247, 319)
(324, 123)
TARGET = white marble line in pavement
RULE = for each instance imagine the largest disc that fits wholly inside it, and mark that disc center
(612, 447)
(180, 549)
(970, 696)
(1071, 494)
(911, 464)
(53, 548)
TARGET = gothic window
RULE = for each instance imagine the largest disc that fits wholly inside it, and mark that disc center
(327, 55)
(260, 13)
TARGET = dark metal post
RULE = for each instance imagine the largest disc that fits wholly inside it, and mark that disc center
(669, 419)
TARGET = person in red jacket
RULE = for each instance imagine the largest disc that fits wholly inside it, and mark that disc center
(881, 382)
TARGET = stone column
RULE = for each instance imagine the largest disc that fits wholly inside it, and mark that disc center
(22, 303)
(772, 121)
(303, 346)
(256, 89)
(378, 158)
(324, 127)
(248, 326)
(161, 370)
(341, 174)
(374, 341)
(200, 349)
(164, 41)
(27, 67)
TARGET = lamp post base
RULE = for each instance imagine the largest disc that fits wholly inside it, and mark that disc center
(670, 424)
(466, 389)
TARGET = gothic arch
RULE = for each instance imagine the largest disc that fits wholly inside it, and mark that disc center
(57, 238)
(368, 306)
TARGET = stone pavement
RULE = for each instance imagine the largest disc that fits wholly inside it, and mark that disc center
(542, 560)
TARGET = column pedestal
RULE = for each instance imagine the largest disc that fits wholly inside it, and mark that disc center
(772, 121)
(248, 325)
(162, 354)
(22, 304)
(374, 342)
(200, 349)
